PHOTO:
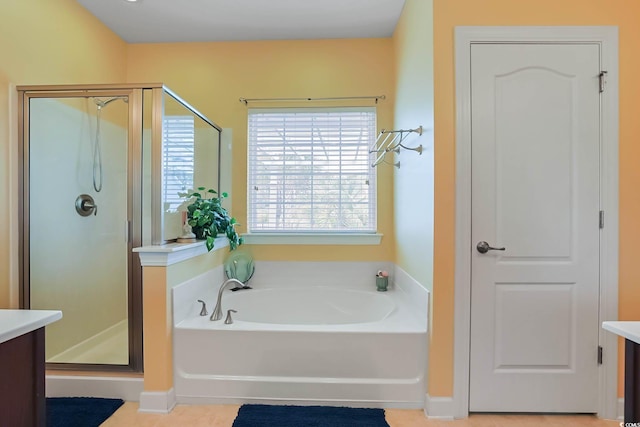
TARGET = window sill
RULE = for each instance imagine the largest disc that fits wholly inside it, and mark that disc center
(311, 239)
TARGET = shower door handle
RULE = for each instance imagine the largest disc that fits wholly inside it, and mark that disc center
(85, 205)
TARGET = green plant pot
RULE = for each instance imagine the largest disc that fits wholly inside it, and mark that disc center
(199, 232)
(382, 283)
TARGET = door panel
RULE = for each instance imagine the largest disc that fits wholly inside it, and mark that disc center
(535, 191)
(534, 162)
(545, 315)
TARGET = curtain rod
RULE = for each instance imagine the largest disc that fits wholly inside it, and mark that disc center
(339, 98)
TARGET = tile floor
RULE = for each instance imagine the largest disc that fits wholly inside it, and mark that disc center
(223, 416)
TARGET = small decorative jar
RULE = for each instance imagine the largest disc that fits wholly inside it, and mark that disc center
(382, 283)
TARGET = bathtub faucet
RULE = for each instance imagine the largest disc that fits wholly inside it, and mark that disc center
(217, 312)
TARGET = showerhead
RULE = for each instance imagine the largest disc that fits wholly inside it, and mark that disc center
(103, 102)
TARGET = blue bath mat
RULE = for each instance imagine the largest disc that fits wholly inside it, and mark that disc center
(79, 411)
(308, 416)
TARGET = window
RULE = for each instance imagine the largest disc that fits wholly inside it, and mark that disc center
(178, 159)
(310, 171)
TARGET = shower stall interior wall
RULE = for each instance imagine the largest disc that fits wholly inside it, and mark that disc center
(104, 169)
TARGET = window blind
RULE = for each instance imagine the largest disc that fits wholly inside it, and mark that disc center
(178, 159)
(310, 170)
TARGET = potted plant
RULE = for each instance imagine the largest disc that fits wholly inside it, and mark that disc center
(207, 218)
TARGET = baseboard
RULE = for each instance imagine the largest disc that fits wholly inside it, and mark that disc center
(621, 409)
(124, 388)
(157, 402)
(440, 408)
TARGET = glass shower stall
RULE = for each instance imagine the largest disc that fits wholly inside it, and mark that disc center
(104, 169)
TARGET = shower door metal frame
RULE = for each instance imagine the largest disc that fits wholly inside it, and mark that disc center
(157, 152)
(134, 206)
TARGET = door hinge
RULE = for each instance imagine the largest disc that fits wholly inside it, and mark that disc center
(599, 355)
(601, 219)
(601, 79)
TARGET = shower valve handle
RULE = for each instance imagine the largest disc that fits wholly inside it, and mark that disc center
(90, 207)
(85, 205)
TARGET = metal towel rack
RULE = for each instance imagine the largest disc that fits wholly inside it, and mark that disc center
(392, 141)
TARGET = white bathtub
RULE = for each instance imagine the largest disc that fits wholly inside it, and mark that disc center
(304, 345)
(312, 305)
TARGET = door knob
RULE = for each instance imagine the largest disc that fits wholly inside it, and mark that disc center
(483, 247)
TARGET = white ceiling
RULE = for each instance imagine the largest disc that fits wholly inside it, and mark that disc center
(160, 21)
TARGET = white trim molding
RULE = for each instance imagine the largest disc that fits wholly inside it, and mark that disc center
(157, 402)
(438, 408)
(620, 409)
(607, 38)
(125, 388)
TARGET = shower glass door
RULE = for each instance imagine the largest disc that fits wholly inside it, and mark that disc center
(79, 225)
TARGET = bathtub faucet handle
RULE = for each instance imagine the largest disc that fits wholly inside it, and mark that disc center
(229, 320)
(203, 312)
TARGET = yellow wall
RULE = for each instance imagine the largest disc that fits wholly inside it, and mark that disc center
(5, 171)
(157, 283)
(451, 13)
(44, 42)
(213, 76)
(158, 346)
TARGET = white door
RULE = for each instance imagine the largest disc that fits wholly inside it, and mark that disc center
(535, 191)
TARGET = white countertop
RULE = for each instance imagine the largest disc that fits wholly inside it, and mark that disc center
(14, 323)
(629, 330)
